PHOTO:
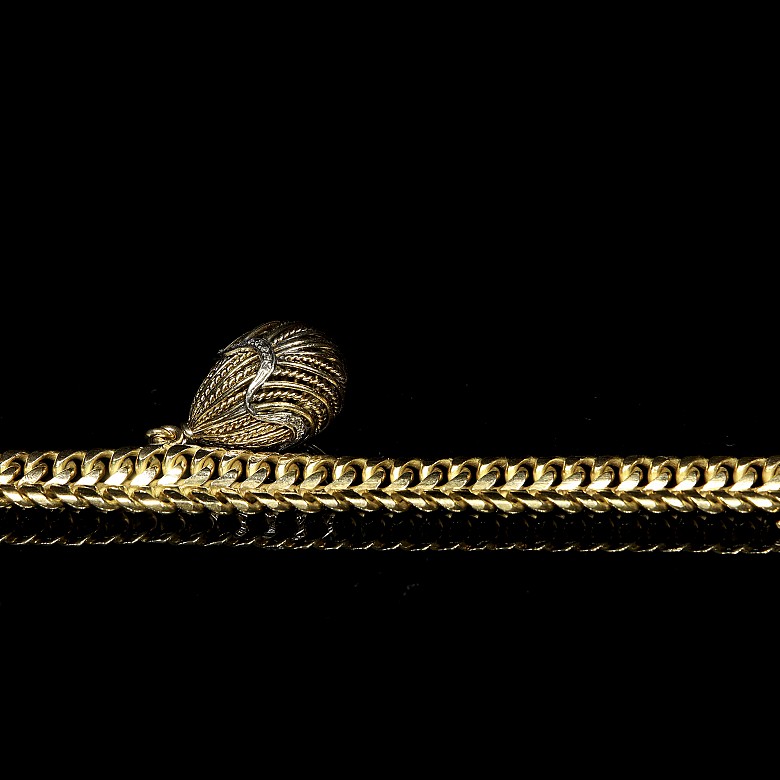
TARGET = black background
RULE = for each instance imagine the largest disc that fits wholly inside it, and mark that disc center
(572, 281)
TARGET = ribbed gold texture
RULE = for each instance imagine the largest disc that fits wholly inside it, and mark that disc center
(273, 387)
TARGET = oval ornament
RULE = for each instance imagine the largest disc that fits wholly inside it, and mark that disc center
(272, 388)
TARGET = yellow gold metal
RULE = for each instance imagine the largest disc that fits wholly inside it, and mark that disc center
(272, 388)
(188, 478)
(280, 384)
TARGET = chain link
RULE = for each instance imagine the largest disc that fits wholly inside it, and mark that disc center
(190, 479)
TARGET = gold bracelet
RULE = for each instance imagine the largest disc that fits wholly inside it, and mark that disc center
(244, 464)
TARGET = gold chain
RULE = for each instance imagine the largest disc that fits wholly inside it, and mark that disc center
(283, 382)
(187, 478)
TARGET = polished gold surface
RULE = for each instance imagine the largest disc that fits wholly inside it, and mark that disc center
(189, 478)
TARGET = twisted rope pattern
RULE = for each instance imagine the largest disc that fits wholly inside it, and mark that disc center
(185, 479)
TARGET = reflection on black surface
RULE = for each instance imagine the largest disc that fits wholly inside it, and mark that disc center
(311, 594)
(727, 532)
